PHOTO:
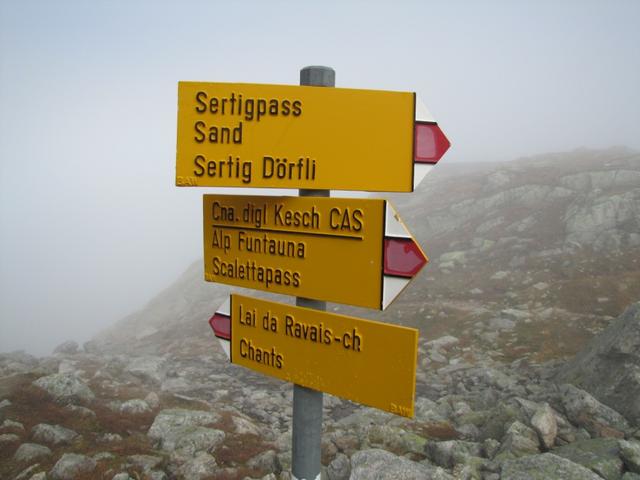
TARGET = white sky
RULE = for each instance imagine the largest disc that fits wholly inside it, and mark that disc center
(91, 226)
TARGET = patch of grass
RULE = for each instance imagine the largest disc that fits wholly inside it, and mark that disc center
(438, 431)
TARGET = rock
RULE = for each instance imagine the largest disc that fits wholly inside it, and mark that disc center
(630, 453)
(502, 324)
(28, 472)
(11, 426)
(449, 453)
(519, 440)
(265, 462)
(339, 468)
(445, 342)
(8, 439)
(4, 403)
(134, 407)
(65, 388)
(631, 476)
(197, 439)
(545, 424)
(171, 425)
(39, 476)
(145, 463)
(53, 434)
(600, 455)
(584, 410)
(30, 452)
(200, 467)
(490, 447)
(67, 348)
(109, 438)
(545, 467)
(81, 411)
(122, 476)
(102, 456)
(382, 465)
(609, 366)
(150, 369)
(152, 399)
(72, 465)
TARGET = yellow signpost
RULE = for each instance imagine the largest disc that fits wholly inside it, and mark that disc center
(283, 136)
(320, 248)
(365, 361)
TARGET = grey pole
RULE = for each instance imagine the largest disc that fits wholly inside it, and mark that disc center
(307, 403)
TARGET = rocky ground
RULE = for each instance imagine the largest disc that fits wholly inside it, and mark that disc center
(91, 414)
(528, 365)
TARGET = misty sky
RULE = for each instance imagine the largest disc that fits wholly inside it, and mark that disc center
(91, 226)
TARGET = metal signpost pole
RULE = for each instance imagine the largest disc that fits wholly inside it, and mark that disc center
(307, 403)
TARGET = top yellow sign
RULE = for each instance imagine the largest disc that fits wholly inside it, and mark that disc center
(277, 136)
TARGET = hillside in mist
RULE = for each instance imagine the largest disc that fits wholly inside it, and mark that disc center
(531, 262)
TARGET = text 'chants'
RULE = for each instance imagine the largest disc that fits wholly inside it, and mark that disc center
(312, 332)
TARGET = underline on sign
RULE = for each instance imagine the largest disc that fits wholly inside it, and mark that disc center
(291, 232)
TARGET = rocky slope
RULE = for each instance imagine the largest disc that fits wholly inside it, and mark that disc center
(530, 261)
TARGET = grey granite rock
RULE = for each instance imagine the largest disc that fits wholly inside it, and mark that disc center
(609, 366)
(53, 434)
(31, 452)
(545, 424)
(600, 455)
(383, 465)
(339, 468)
(545, 467)
(585, 411)
(72, 465)
(630, 453)
(65, 388)
(171, 425)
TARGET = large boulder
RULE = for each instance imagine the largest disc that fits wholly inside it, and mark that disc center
(185, 429)
(65, 388)
(383, 465)
(545, 467)
(609, 366)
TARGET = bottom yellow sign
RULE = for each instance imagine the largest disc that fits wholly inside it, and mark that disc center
(369, 362)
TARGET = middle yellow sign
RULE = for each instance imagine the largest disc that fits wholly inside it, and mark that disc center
(334, 249)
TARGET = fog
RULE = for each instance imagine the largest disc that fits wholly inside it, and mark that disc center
(91, 224)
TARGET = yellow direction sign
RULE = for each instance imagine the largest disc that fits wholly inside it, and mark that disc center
(344, 250)
(369, 362)
(248, 135)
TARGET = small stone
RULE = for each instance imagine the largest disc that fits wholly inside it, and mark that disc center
(39, 476)
(630, 453)
(152, 399)
(134, 407)
(200, 467)
(72, 465)
(7, 439)
(544, 423)
(4, 403)
(144, 462)
(81, 411)
(520, 440)
(10, 425)
(121, 476)
(30, 452)
(53, 434)
(339, 468)
(110, 438)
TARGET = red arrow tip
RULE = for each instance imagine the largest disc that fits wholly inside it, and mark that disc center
(430, 143)
(221, 325)
(402, 257)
